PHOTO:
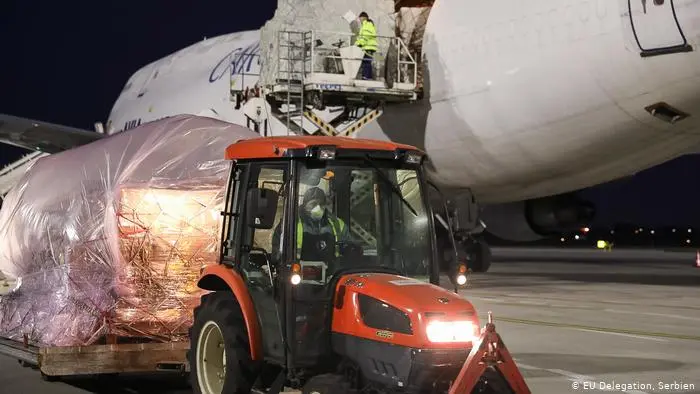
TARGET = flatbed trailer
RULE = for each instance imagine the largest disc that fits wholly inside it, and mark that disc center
(58, 361)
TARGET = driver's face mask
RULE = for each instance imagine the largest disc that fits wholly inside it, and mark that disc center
(316, 212)
(314, 209)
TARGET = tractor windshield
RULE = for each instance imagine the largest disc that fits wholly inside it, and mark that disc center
(361, 214)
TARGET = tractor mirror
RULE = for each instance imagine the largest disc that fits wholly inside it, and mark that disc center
(261, 208)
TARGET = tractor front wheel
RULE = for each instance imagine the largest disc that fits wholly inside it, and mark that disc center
(219, 353)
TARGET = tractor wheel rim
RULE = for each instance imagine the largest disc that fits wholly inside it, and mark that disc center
(211, 359)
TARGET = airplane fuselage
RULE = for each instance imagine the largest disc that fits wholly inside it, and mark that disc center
(523, 99)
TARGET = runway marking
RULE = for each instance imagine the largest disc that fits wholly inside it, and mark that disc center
(533, 302)
(601, 329)
(646, 338)
(483, 298)
(617, 303)
(654, 314)
(572, 376)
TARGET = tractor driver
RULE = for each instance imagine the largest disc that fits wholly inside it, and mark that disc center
(318, 230)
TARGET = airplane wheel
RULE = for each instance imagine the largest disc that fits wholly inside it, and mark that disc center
(479, 255)
(219, 355)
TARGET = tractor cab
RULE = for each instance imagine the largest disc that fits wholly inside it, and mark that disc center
(302, 213)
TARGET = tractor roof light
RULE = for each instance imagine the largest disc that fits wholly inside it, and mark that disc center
(326, 153)
(413, 157)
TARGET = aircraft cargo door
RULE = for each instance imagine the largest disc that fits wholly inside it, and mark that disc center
(656, 28)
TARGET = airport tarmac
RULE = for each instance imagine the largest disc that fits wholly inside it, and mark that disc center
(588, 316)
(573, 320)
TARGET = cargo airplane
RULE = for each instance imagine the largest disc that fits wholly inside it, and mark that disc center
(523, 104)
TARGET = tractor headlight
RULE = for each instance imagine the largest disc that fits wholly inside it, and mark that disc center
(451, 331)
(461, 279)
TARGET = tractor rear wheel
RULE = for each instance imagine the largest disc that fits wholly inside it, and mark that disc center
(219, 353)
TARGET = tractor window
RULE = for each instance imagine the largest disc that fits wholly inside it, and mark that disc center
(273, 179)
(254, 264)
(354, 215)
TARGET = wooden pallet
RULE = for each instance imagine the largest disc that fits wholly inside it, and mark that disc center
(100, 359)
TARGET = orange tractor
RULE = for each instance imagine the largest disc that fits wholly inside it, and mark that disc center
(329, 280)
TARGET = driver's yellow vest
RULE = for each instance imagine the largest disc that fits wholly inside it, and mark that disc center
(336, 227)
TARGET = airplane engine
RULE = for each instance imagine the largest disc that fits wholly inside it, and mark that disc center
(533, 220)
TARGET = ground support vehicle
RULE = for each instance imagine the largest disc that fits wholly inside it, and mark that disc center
(354, 309)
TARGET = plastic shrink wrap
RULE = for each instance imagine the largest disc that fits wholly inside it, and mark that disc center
(108, 239)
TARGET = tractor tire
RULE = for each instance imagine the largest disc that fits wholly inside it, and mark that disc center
(326, 384)
(219, 354)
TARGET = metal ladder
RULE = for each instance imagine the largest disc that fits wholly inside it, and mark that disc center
(292, 61)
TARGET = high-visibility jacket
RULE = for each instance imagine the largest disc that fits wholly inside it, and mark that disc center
(337, 226)
(367, 37)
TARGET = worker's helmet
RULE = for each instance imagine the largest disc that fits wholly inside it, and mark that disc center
(314, 202)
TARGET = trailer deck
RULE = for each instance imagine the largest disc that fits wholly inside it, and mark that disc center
(99, 359)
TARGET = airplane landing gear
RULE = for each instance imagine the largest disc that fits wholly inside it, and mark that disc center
(477, 252)
(460, 216)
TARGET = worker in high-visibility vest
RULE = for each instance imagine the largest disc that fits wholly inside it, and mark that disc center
(367, 40)
(318, 230)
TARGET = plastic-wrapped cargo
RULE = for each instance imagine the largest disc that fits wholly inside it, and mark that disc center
(107, 239)
(327, 18)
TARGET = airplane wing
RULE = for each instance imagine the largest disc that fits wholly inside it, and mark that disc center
(43, 136)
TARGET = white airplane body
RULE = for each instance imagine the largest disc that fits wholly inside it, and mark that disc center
(523, 100)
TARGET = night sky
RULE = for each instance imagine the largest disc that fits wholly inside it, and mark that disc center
(66, 62)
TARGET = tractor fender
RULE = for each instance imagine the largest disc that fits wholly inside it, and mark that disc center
(221, 278)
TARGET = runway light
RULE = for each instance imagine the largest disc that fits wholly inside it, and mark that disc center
(576, 236)
(586, 229)
(652, 232)
(562, 239)
(690, 230)
(687, 241)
